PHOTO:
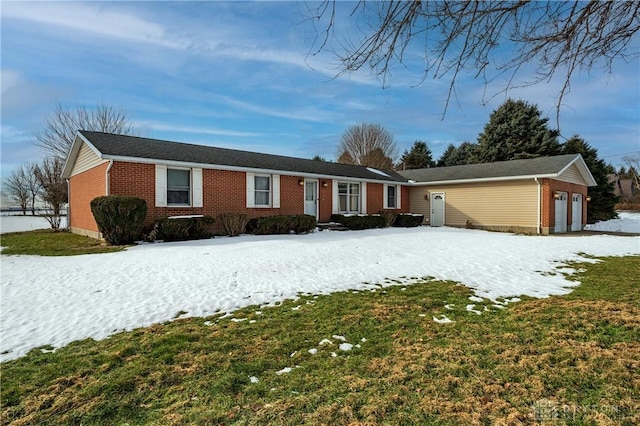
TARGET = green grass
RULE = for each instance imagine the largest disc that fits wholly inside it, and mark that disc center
(50, 243)
(573, 359)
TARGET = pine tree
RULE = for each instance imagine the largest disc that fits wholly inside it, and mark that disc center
(466, 153)
(516, 130)
(419, 157)
(603, 199)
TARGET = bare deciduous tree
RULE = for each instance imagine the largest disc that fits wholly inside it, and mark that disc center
(61, 126)
(492, 39)
(368, 145)
(33, 185)
(633, 165)
(17, 188)
(54, 188)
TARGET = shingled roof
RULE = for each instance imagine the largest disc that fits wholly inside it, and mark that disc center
(133, 148)
(540, 167)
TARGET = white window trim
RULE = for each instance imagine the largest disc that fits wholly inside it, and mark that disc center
(195, 187)
(362, 197)
(398, 197)
(274, 191)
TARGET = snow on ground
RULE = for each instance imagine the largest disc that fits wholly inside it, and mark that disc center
(626, 222)
(25, 223)
(56, 300)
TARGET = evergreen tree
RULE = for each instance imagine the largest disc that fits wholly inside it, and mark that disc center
(419, 157)
(603, 199)
(466, 153)
(516, 130)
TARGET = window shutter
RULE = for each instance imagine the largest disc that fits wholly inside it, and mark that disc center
(398, 196)
(385, 196)
(363, 192)
(251, 186)
(197, 187)
(161, 185)
(335, 202)
(275, 183)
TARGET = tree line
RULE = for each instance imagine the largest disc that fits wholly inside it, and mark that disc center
(515, 130)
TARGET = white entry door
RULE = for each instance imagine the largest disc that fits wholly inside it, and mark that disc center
(437, 209)
(311, 197)
(576, 212)
(561, 212)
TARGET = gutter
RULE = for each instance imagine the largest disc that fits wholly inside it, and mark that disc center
(107, 177)
(539, 224)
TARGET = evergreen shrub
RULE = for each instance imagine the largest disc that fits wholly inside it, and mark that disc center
(119, 218)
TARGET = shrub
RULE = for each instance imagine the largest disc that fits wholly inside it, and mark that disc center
(359, 222)
(233, 224)
(119, 218)
(184, 228)
(270, 225)
(408, 220)
(303, 223)
(389, 217)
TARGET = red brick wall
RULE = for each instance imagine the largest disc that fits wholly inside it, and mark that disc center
(374, 197)
(548, 202)
(223, 192)
(83, 188)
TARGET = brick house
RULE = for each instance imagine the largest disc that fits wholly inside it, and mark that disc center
(177, 179)
(541, 195)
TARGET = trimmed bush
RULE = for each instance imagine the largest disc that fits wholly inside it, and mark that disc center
(303, 223)
(233, 224)
(119, 218)
(270, 225)
(408, 220)
(184, 228)
(389, 217)
(358, 222)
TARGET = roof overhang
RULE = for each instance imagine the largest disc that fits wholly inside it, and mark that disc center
(73, 154)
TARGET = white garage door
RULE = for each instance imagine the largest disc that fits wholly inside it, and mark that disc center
(561, 212)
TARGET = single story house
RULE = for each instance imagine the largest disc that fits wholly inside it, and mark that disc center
(540, 195)
(178, 179)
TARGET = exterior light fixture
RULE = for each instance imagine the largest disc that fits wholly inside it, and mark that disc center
(325, 183)
(556, 195)
(300, 182)
(588, 198)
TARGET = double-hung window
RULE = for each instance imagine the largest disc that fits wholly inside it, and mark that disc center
(391, 197)
(262, 191)
(178, 187)
(349, 197)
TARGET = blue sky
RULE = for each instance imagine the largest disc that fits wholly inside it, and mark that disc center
(238, 75)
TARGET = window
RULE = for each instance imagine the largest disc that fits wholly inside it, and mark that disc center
(391, 197)
(349, 197)
(178, 187)
(262, 190)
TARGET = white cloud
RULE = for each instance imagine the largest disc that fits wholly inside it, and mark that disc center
(93, 19)
(153, 125)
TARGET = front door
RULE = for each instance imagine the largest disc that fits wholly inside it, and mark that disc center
(576, 212)
(561, 212)
(311, 197)
(437, 209)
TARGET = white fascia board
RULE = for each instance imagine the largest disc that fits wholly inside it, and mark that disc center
(491, 179)
(73, 154)
(582, 167)
(244, 169)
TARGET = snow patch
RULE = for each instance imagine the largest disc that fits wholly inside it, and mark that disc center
(345, 347)
(443, 320)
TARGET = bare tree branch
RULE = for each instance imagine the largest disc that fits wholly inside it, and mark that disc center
(490, 38)
(61, 126)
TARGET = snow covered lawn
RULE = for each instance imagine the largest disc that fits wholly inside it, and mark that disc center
(56, 300)
(19, 223)
(626, 222)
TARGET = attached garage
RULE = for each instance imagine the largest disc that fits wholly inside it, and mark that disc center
(542, 195)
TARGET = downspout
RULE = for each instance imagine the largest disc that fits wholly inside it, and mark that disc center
(68, 206)
(539, 226)
(107, 177)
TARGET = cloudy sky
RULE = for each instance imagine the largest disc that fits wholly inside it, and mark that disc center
(239, 75)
